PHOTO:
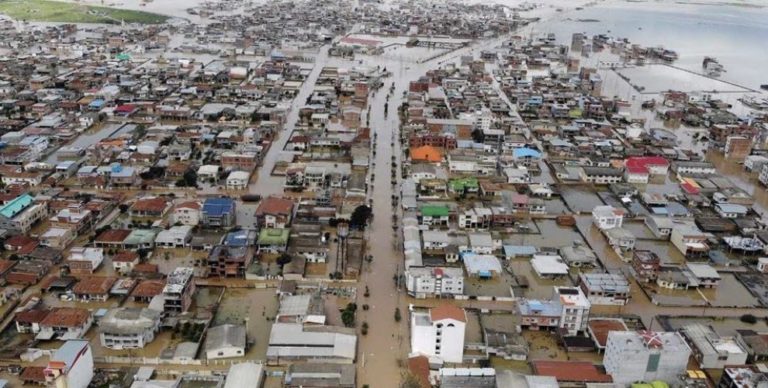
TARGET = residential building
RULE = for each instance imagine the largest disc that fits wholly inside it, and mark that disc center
(743, 376)
(601, 175)
(688, 239)
(238, 180)
(229, 261)
(711, 350)
(128, 327)
(152, 208)
(575, 309)
(320, 375)
(245, 375)
(21, 213)
(705, 275)
(274, 212)
(124, 261)
(439, 333)
(57, 238)
(646, 265)
(84, 261)
(218, 212)
(93, 288)
(730, 210)
(607, 217)
(605, 288)
(187, 213)
(431, 282)
(65, 323)
(174, 237)
(71, 366)
(632, 356)
(179, 290)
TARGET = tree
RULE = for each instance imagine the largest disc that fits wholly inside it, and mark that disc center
(749, 318)
(284, 259)
(360, 217)
(398, 316)
(364, 329)
(410, 381)
(124, 208)
(348, 317)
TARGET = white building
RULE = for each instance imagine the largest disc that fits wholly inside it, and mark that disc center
(225, 341)
(711, 350)
(605, 288)
(187, 213)
(174, 237)
(90, 257)
(428, 282)
(607, 217)
(439, 333)
(575, 313)
(71, 366)
(129, 328)
(238, 180)
(645, 356)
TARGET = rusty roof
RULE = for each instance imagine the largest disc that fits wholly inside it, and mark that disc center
(35, 315)
(157, 204)
(601, 327)
(148, 288)
(275, 205)
(446, 311)
(94, 285)
(66, 317)
(113, 235)
(570, 371)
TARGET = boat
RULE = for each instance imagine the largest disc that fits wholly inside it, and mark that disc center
(764, 86)
(712, 67)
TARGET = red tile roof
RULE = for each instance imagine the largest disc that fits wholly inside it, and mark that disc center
(125, 257)
(641, 164)
(419, 367)
(33, 374)
(601, 327)
(156, 205)
(113, 235)
(446, 311)
(148, 288)
(32, 316)
(66, 317)
(570, 371)
(275, 206)
(98, 285)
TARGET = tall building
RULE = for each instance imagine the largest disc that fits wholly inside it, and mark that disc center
(179, 289)
(632, 356)
(439, 333)
(575, 312)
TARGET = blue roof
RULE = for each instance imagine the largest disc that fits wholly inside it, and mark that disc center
(16, 206)
(237, 238)
(218, 206)
(526, 153)
(97, 103)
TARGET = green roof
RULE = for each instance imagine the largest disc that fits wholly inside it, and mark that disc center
(273, 236)
(140, 236)
(11, 209)
(434, 211)
(461, 184)
(123, 57)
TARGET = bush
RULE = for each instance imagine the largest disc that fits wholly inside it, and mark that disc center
(749, 318)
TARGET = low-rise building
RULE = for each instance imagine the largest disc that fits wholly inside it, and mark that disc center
(632, 356)
(225, 341)
(439, 333)
(605, 288)
(179, 290)
(430, 282)
(711, 350)
(129, 328)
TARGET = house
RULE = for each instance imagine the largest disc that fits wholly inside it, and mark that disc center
(238, 180)
(601, 175)
(434, 215)
(225, 341)
(28, 272)
(174, 237)
(21, 213)
(431, 282)
(187, 213)
(273, 240)
(218, 212)
(729, 210)
(482, 266)
(65, 323)
(632, 356)
(84, 261)
(426, 154)
(575, 309)
(578, 256)
(620, 239)
(549, 266)
(538, 315)
(429, 328)
(711, 350)
(71, 366)
(57, 238)
(128, 328)
(75, 217)
(179, 290)
(93, 288)
(686, 168)
(125, 261)
(112, 238)
(743, 376)
(605, 288)
(146, 290)
(638, 169)
(646, 265)
(705, 275)
(152, 208)
(274, 212)
(660, 226)
(140, 239)
(688, 239)
(246, 375)
(607, 217)
(481, 243)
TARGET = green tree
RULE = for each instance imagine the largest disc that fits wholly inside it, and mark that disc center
(398, 315)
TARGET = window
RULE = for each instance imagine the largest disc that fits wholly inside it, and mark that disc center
(653, 363)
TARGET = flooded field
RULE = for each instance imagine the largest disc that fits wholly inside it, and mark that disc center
(664, 249)
(730, 293)
(550, 235)
(581, 199)
(256, 308)
(538, 288)
(660, 78)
